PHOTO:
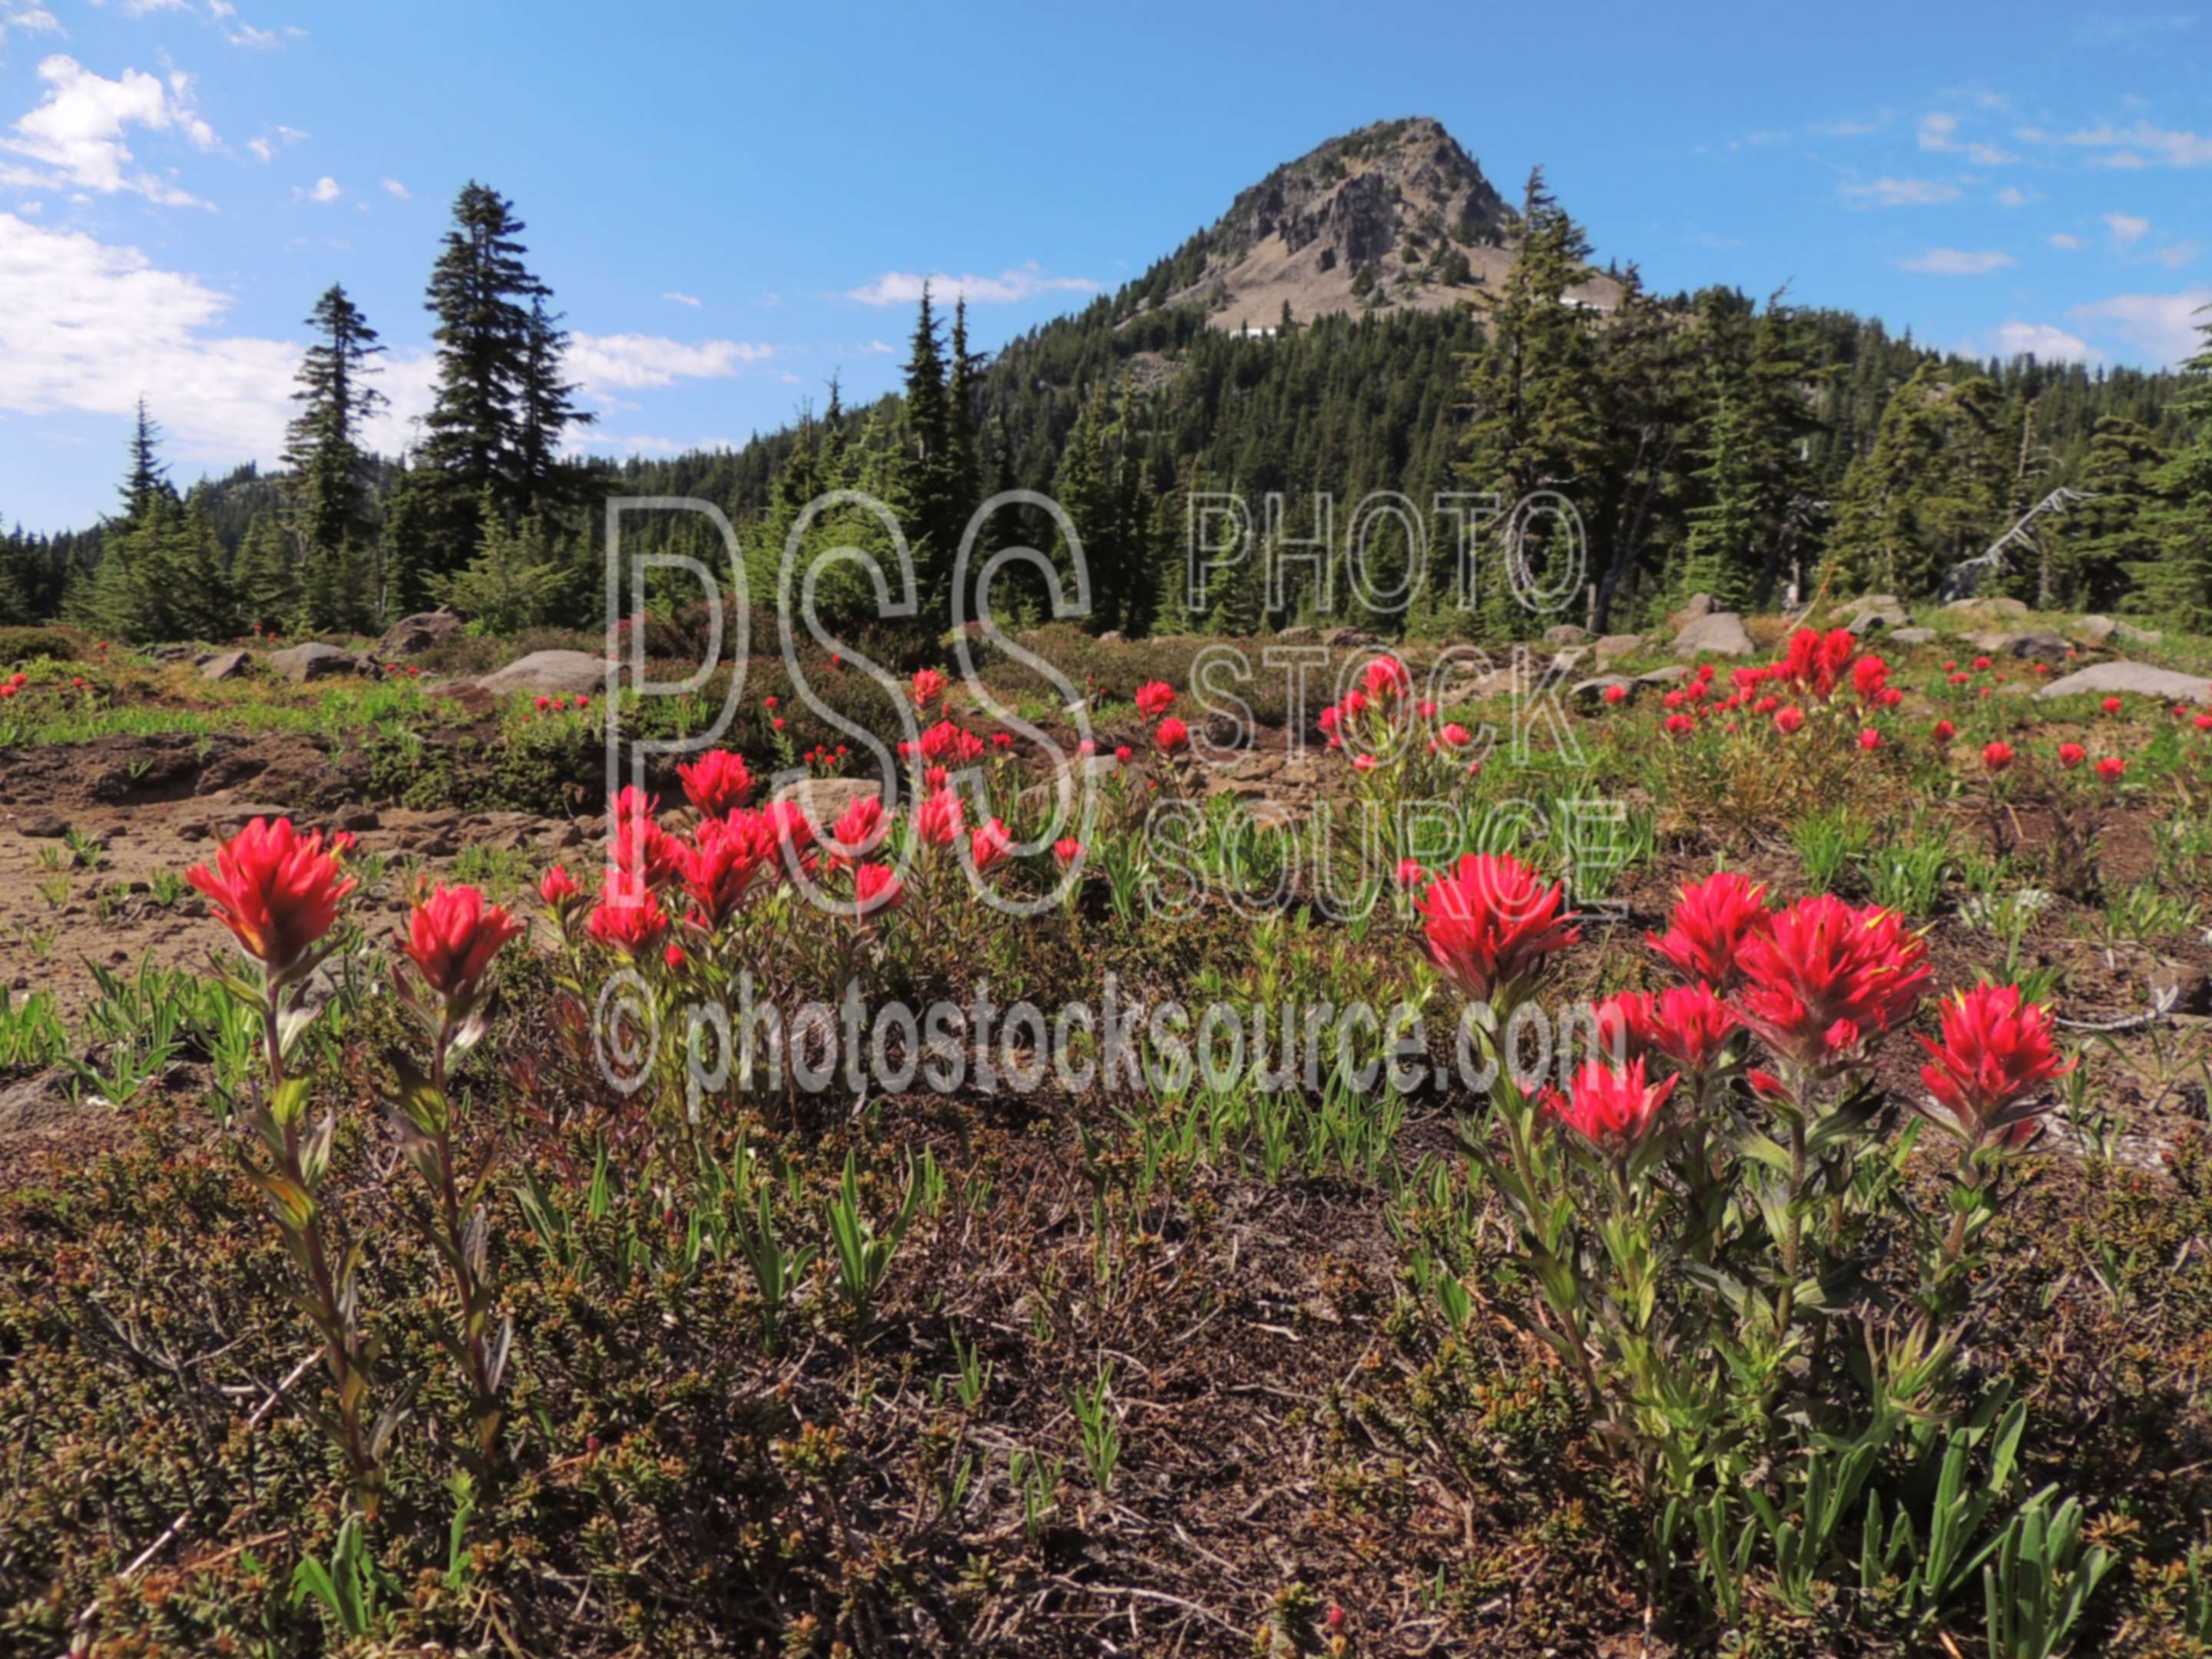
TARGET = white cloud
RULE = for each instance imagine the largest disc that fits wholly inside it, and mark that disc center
(20, 18)
(2012, 196)
(2044, 342)
(2179, 255)
(1024, 282)
(2138, 146)
(147, 8)
(326, 189)
(397, 190)
(1902, 193)
(691, 300)
(1957, 262)
(259, 40)
(2063, 241)
(1941, 133)
(604, 362)
(2127, 229)
(76, 134)
(2162, 327)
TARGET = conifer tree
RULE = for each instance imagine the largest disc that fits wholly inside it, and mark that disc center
(925, 482)
(2178, 587)
(407, 543)
(265, 585)
(1533, 425)
(1928, 493)
(331, 514)
(2106, 541)
(514, 581)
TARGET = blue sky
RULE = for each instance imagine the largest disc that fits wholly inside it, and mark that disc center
(733, 203)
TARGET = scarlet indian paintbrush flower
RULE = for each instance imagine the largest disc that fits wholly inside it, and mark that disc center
(989, 846)
(1172, 736)
(277, 891)
(1996, 1052)
(1825, 976)
(1490, 923)
(1155, 698)
(629, 917)
(1712, 920)
(876, 887)
(717, 783)
(451, 938)
(928, 686)
(1612, 1108)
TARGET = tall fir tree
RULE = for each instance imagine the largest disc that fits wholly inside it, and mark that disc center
(926, 481)
(265, 580)
(2178, 587)
(332, 513)
(2106, 543)
(1534, 424)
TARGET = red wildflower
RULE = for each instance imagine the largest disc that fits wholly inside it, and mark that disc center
(875, 887)
(1825, 976)
(1943, 731)
(1154, 699)
(451, 938)
(1870, 739)
(1712, 922)
(719, 866)
(1996, 756)
(989, 846)
(1614, 1109)
(1691, 1026)
(629, 917)
(1172, 736)
(858, 828)
(2111, 705)
(1490, 924)
(1788, 721)
(717, 783)
(1066, 850)
(277, 890)
(928, 686)
(2111, 768)
(937, 820)
(1616, 694)
(1997, 1050)
(2071, 755)
(558, 888)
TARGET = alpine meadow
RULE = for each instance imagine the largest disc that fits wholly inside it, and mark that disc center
(1471, 921)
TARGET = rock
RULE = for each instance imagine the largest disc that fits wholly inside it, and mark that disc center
(824, 800)
(1297, 634)
(1112, 636)
(1717, 634)
(1665, 676)
(223, 664)
(1913, 636)
(358, 818)
(2123, 677)
(2129, 634)
(41, 826)
(1995, 608)
(1613, 647)
(1346, 638)
(41, 1102)
(1700, 606)
(1566, 634)
(552, 673)
(2180, 987)
(1591, 693)
(2037, 644)
(317, 661)
(412, 635)
(2092, 631)
(1874, 611)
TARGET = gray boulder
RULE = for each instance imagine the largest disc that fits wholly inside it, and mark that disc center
(2094, 630)
(412, 635)
(1913, 636)
(1698, 606)
(1873, 612)
(551, 673)
(2106, 679)
(1611, 647)
(223, 664)
(1995, 608)
(1566, 634)
(1297, 634)
(317, 661)
(1717, 634)
(1346, 638)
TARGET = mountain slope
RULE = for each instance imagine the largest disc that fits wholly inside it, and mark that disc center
(1393, 214)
